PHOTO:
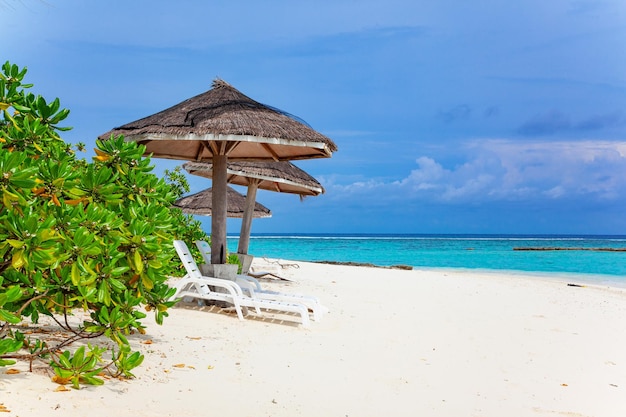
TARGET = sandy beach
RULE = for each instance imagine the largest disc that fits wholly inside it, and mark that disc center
(395, 343)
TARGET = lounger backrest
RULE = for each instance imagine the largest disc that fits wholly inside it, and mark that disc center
(205, 250)
(185, 257)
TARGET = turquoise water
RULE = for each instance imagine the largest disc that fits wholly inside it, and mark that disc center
(460, 251)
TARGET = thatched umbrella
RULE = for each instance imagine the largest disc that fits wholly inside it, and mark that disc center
(219, 125)
(282, 177)
(200, 203)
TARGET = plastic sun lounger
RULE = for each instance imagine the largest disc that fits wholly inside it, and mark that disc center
(205, 250)
(254, 289)
(195, 285)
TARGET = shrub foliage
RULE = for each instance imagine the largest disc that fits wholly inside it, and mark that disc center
(93, 238)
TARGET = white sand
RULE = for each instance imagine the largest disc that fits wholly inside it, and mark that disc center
(395, 343)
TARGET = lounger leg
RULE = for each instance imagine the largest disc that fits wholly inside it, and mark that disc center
(238, 308)
(304, 313)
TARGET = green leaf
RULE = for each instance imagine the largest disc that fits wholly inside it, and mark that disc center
(20, 108)
(63, 373)
(104, 294)
(11, 295)
(116, 284)
(79, 356)
(9, 346)
(91, 380)
(64, 360)
(119, 270)
(9, 317)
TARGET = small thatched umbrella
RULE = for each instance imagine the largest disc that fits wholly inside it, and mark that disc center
(283, 177)
(200, 203)
(219, 125)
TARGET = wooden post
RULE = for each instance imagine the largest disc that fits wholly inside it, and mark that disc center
(218, 218)
(248, 214)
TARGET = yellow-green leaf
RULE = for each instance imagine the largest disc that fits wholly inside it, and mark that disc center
(86, 267)
(17, 244)
(75, 274)
(8, 117)
(138, 261)
(47, 234)
(155, 263)
(8, 198)
(18, 260)
(147, 282)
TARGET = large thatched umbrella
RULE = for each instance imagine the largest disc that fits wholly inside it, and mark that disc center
(282, 177)
(219, 125)
(201, 204)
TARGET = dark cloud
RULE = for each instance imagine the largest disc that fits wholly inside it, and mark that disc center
(545, 124)
(460, 112)
(554, 122)
(602, 121)
(491, 111)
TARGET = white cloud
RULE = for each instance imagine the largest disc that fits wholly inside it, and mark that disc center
(426, 176)
(555, 192)
(502, 169)
(571, 167)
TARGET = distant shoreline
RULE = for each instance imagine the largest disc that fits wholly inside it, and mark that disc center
(366, 264)
(549, 248)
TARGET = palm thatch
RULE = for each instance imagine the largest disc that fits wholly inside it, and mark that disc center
(200, 203)
(243, 128)
(282, 177)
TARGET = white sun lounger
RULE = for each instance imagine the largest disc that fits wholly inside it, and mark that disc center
(205, 250)
(253, 287)
(195, 285)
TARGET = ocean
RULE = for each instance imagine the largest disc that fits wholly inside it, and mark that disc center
(465, 252)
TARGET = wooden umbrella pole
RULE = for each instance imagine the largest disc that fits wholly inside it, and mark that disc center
(246, 223)
(218, 219)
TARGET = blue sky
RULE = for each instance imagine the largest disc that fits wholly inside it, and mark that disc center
(450, 116)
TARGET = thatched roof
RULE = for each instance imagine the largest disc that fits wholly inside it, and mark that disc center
(282, 177)
(243, 128)
(201, 203)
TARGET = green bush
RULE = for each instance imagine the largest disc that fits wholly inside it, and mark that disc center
(94, 237)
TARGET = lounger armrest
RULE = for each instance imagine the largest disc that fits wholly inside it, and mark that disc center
(231, 286)
(251, 281)
(246, 285)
